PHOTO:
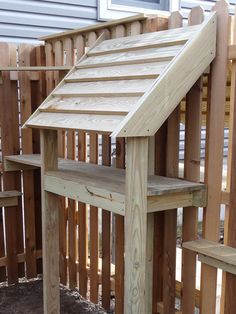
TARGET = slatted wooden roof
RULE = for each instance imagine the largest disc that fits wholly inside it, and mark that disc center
(129, 86)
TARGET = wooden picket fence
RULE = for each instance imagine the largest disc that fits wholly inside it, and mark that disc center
(91, 240)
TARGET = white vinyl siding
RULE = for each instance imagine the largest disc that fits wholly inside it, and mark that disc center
(187, 5)
(147, 4)
(26, 20)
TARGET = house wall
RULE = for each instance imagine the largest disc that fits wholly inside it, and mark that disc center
(26, 20)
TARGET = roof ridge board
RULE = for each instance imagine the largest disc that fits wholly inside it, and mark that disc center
(84, 56)
(120, 130)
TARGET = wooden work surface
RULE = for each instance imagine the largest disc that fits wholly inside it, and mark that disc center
(214, 250)
(105, 186)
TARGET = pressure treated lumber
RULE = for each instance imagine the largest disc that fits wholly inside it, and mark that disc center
(153, 39)
(136, 298)
(214, 254)
(191, 172)
(228, 301)
(214, 156)
(87, 122)
(9, 198)
(121, 88)
(92, 105)
(118, 72)
(105, 187)
(142, 65)
(162, 54)
(154, 116)
(50, 226)
(170, 216)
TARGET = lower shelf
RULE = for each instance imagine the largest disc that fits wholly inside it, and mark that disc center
(214, 254)
(9, 198)
(104, 187)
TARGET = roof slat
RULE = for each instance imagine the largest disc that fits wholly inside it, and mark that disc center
(126, 71)
(122, 88)
(70, 121)
(162, 38)
(131, 57)
(101, 105)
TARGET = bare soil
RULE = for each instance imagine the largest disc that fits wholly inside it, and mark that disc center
(27, 298)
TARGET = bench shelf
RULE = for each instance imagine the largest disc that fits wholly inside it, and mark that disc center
(214, 254)
(105, 186)
(9, 198)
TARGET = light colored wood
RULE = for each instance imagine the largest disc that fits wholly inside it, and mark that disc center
(214, 156)
(217, 264)
(232, 52)
(191, 172)
(157, 185)
(92, 105)
(168, 92)
(120, 88)
(162, 54)
(225, 197)
(100, 123)
(170, 216)
(136, 226)
(105, 187)
(154, 39)
(9, 198)
(50, 226)
(228, 302)
(49, 76)
(223, 253)
(97, 26)
(59, 54)
(118, 72)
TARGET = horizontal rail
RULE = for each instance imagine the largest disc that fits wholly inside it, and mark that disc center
(37, 68)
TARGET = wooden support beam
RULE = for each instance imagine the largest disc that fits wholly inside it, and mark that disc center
(228, 304)
(50, 226)
(192, 173)
(9, 198)
(232, 52)
(136, 298)
(214, 151)
(170, 216)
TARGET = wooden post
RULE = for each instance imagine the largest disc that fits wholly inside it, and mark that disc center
(228, 301)
(214, 152)
(136, 297)
(192, 173)
(50, 226)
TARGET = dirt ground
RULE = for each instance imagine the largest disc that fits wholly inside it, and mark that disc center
(27, 298)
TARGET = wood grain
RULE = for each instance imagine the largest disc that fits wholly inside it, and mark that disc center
(118, 72)
(136, 225)
(50, 225)
(191, 172)
(165, 90)
(131, 57)
(103, 105)
(153, 39)
(214, 157)
(106, 87)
